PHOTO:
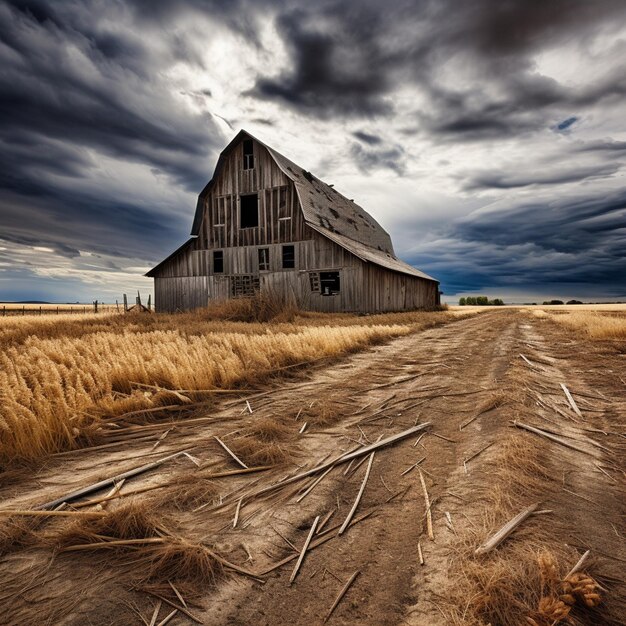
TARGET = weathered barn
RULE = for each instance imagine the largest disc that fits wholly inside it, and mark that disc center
(264, 223)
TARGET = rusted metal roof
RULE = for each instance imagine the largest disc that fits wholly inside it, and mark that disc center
(328, 212)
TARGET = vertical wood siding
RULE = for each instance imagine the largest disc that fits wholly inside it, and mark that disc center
(187, 279)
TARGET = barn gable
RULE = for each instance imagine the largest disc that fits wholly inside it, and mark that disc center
(325, 210)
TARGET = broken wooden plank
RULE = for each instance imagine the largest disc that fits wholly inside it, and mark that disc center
(84, 491)
(350, 515)
(571, 400)
(497, 538)
(230, 452)
(304, 549)
(547, 435)
(342, 593)
(429, 517)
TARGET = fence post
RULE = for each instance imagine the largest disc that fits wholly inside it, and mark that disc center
(125, 303)
(40, 309)
(23, 310)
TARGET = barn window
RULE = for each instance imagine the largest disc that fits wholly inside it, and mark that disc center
(248, 154)
(218, 261)
(249, 211)
(244, 285)
(289, 257)
(329, 283)
(264, 259)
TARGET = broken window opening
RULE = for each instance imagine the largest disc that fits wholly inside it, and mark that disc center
(289, 257)
(264, 259)
(248, 154)
(249, 211)
(244, 285)
(329, 283)
(218, 261)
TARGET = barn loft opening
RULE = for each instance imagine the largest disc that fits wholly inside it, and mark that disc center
(329, 283)
(289, 257)
(264, 259)
(218, 261)
(249, 211)
(248, 154)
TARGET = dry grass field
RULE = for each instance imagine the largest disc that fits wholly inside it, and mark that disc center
(60, 377)
(267, 466)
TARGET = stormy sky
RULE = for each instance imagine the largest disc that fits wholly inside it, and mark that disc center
(488, 137)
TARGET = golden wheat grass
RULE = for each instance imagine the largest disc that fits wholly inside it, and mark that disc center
(59, 381)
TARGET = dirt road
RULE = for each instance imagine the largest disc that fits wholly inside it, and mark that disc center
(467, 378)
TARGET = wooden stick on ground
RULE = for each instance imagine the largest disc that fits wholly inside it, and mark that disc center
(579, 564)
(358, 497)
(323, 537)
(236, 519)
(191, 616)
(419, 552)
(571, 401)
(473, 456)
(429, 517)
(342, 593)
(107, 482)
(155, 613)
(304, 549)
(39, 513)
(232, 454)
(548, 435)
(168, 618)
(497, 538)
(312, 486)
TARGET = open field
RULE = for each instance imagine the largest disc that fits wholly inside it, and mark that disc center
(308, 452)
(12, 309)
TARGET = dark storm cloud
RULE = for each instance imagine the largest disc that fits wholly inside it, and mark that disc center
(512, 180)
(73, 87)
(347, 59)
(369, 158)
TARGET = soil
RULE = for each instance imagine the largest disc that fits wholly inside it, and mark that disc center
(446, 376)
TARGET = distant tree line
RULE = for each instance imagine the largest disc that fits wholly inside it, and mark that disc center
(480, 301)
(561, 302)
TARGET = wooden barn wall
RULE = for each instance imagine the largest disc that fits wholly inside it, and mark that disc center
(384, 290)
(280, 218)
(187, 281)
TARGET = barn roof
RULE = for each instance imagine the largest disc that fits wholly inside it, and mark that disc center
(328, 212)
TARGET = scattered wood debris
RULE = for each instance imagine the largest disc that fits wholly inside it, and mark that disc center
(342, 593)
(232, 454)
(547, 435)
(304, 549)
(571, 401)
(358, 497)
(429, 517)
(497, 538)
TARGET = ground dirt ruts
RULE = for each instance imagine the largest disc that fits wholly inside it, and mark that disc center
(445, 375)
